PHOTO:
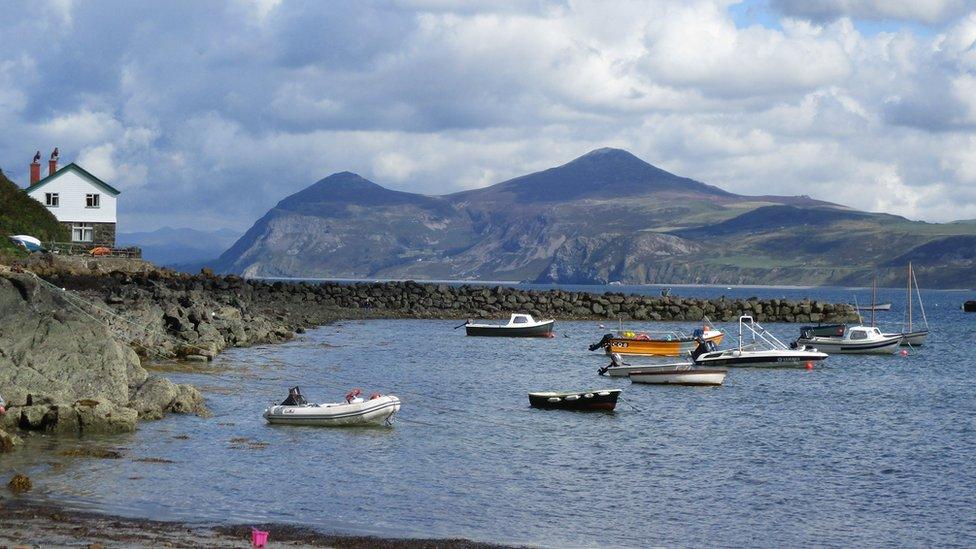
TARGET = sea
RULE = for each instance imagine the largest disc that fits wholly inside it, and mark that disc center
(859, 451)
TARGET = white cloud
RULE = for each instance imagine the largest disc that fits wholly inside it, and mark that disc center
(226, 110)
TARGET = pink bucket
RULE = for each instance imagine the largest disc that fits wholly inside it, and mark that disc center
(258, 538)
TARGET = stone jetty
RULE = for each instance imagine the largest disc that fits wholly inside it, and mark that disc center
(303, 304)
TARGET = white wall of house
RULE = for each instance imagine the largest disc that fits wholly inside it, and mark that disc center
(72, 189)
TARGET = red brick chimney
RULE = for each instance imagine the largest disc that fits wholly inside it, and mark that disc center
(35, 169)
(52, 164)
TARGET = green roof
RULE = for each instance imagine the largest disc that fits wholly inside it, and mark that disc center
(80, 171)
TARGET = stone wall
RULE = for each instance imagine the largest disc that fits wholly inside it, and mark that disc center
(304, 304)
(103, 234)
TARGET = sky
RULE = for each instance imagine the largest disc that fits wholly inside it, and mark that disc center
(207, 113)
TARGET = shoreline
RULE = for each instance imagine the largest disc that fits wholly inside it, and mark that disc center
(44, 524)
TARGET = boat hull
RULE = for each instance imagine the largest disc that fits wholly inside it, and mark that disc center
(886, 346)
(657, 347)
(371, 412)
(878, 307)
(679, 375)
(604, 400)
(914, 339)
(824, 330)
(540, 330)
(760, 359)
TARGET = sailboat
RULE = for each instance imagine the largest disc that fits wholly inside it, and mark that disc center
(909, 336)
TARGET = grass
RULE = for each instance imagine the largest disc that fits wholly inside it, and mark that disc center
(21, 214)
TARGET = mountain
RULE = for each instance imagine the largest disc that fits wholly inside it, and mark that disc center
(172, 247)
(605, 216)
(21, 214)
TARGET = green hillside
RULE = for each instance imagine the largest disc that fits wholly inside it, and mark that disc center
(20, 214)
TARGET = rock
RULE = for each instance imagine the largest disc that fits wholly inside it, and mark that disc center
(153, 397)
(104, 417)
(195, 358)
(9, 442)
(20, 483)
(188, 401)
(34, 418)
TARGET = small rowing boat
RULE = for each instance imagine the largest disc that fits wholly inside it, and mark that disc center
(519, 325)
(585, 401)
(680, 373)
(295, 410)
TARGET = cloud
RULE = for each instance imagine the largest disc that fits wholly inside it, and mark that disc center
(210, 113)
(921, 11)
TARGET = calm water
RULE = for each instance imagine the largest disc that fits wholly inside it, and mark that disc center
(862, 450)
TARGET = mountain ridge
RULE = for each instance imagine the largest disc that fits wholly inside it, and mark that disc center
(606, 215)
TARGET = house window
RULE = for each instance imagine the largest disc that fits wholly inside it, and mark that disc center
(82, 232)
(92, 200)
(51, 200)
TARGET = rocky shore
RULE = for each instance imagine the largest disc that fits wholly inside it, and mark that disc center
(73, 338)
(24, 524)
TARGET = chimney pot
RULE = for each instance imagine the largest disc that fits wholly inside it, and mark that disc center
(35, 168)
(52, 164)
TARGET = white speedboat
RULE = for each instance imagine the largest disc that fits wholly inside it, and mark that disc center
(764, 350)
(519, 325)
(680, 373)
(856, 340)
(295, 410)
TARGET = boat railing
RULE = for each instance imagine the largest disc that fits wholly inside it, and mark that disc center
(760, 336)
(662, 334)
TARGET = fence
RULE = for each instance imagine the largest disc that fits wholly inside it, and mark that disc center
(78, 248)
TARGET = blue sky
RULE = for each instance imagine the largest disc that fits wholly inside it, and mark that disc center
(205, 114)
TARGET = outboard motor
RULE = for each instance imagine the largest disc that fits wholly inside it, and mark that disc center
(602, 343)
(615, 361)
(295, 398)
(704, 346)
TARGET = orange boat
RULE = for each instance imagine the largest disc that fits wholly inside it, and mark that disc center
(673, 343)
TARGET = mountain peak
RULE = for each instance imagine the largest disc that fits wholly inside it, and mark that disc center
(599, 173)
(608, 152)
(346, 179)
(343, 189)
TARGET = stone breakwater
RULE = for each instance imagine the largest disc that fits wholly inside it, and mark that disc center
(188, 306)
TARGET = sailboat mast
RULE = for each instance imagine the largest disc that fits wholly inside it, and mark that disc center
(874, 295)
(909, 295)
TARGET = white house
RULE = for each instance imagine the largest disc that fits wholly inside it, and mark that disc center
(83, 203)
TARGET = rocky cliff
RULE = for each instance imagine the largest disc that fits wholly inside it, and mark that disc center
(62, 372)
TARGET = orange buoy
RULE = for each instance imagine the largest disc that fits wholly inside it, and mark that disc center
(904, 352)
(809, 365)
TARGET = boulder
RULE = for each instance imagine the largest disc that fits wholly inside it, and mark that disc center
(104, 417)
(9, 441)
(153, 398)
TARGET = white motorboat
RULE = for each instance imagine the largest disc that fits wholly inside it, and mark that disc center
(519, 325)
(856, 340)
(765, 350)
(679, 373)
(295, 410)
